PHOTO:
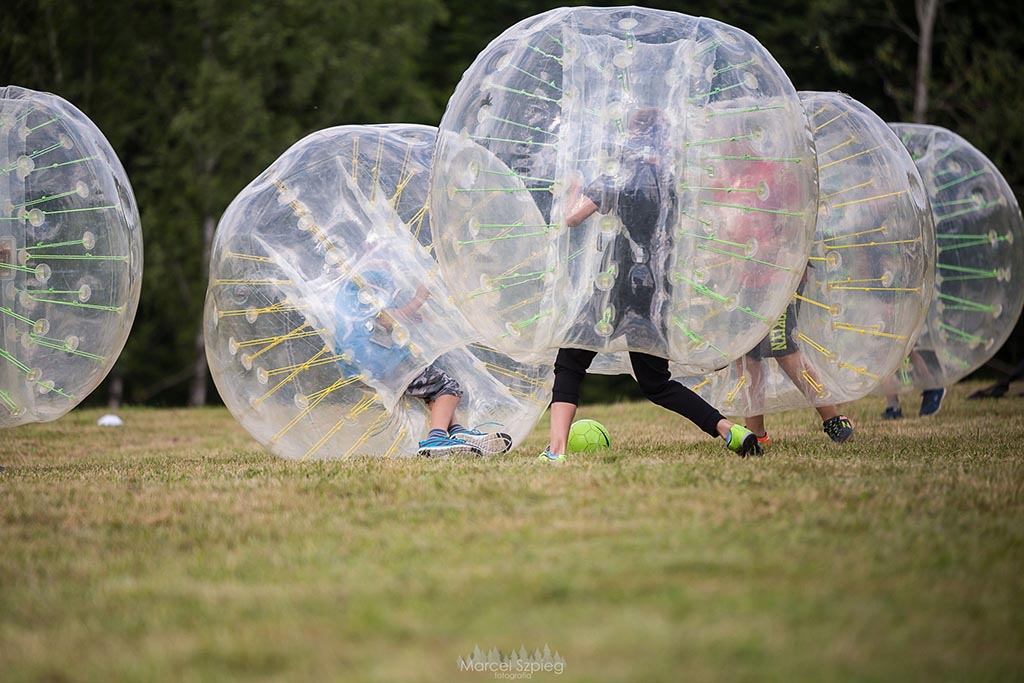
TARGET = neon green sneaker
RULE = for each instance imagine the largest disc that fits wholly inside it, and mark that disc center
(548, 456)
(742, 441)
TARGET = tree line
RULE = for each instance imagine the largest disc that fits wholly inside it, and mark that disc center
(198, 97)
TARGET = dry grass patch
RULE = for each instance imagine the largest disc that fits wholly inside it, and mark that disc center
(174, 548)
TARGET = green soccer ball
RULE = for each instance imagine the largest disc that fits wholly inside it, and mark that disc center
(588, 435)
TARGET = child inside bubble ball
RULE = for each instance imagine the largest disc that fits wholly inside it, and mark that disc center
(367, 309)
(643, 198)
(931, 398)
(779, 343)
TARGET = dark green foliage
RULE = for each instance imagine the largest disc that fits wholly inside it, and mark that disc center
(198, 97)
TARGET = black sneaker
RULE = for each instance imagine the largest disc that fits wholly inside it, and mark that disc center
(838, 428)
(892, 413)
(931, 401)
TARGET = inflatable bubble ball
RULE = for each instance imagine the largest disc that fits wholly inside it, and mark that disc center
(324, 305)
(624, 179)
(979, 254)
(869, 281)
(70, 256)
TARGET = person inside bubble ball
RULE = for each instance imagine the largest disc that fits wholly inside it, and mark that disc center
(643, 197)
(931, 398)
(778, 343)
(367, 309)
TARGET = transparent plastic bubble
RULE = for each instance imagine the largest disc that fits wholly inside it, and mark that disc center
(609, 225)
(745, 169)
(977, 219)
(623, 60)
(762, 191)
(25, 166)
(342, 333)
(869, 280)
(73, 199)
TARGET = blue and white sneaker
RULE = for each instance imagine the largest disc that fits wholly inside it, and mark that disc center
(489, 443)
(443, 446)
(548, 456)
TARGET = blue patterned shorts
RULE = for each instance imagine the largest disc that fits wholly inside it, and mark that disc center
(433, 383)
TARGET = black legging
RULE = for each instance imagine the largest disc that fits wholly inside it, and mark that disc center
(654, 379)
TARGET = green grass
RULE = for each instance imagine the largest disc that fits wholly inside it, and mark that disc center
(174, 548)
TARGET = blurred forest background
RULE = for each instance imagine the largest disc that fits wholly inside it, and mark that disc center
(198, 97)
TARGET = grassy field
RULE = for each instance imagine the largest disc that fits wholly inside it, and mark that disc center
(175, 549)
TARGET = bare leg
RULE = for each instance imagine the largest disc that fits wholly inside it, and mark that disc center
(562, 415)
(827, 412)
(921, 368)
(753, 367)
(793, 366)
(723, 427)
(755, 423)
(442, 411)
